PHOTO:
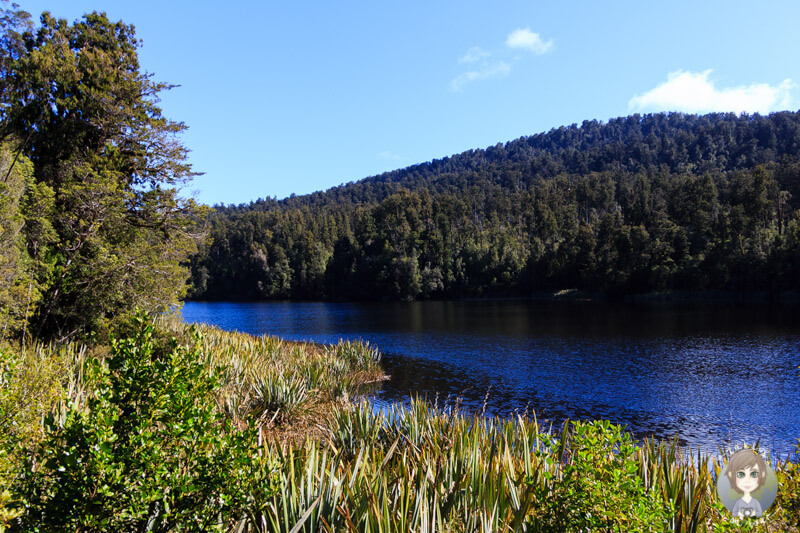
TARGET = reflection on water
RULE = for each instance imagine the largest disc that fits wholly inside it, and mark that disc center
(712, 375)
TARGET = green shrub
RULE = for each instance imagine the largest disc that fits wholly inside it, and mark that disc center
(789, 493)
(148, 452)
(33, 380)
(592, 483)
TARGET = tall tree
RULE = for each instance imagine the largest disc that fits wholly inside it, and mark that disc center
(16, 278)
(77, 104)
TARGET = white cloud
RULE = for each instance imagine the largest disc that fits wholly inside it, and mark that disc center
(389, 156)
(695, 93)
(527, 40)
(483, 66)
(473, 55)
(487, 70)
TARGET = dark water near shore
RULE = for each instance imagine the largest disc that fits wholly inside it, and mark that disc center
(713, 375)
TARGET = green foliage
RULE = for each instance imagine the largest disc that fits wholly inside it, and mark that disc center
(596, 484)
(353, 427)
(789, 493)
(790, 490)
(418, 468)
(601, 207)
(18, 288)
(147, 451)
(104, 231)
(277, 397)
(684, 479)
(266, 380)
(148, 437)
(33, 381)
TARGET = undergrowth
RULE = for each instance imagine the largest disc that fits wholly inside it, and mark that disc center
(178, 428)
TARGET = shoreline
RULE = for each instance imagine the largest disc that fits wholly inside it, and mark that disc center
(789, 298)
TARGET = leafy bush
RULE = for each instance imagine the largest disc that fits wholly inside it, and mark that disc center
(33, 379)
(789, 493)
(148, 452)
(592, 483)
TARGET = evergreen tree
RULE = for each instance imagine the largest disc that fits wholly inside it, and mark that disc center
(76, 103)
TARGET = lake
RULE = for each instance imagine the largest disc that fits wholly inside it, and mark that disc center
(712, 375)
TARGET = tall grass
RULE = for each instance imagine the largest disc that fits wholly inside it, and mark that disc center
(36, 381)
(419, 468)
(275, 382)
(350, 467)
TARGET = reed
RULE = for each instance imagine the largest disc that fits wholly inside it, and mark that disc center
(422, 468)
(418, 468)
(280, 384)
(333, 462)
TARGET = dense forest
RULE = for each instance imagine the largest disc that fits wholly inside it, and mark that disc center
(664, 202)
(91, 222)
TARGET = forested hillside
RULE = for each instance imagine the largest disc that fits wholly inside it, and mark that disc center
(638, 204)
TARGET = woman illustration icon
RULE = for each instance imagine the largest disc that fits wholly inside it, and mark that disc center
(747, 474)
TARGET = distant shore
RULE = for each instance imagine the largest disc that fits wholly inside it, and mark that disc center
(575, 295)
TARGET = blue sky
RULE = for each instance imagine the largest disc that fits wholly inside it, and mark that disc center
(295, 97)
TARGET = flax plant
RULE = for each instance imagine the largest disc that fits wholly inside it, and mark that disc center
(351, 467)
(416, 469)
(276, 382)
(35, 380)
(423, 469)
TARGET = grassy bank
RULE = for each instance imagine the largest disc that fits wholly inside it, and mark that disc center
(218, 431)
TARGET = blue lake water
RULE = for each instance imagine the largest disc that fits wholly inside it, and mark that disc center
(712, 375)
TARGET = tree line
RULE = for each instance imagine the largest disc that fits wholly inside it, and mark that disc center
(638, 204)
